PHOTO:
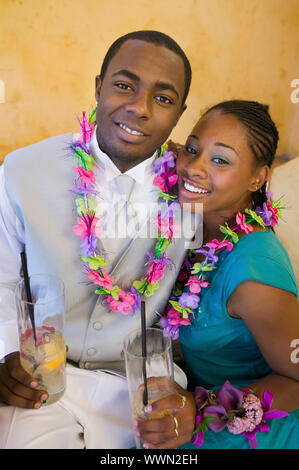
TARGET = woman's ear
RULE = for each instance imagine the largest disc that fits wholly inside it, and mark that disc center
(261, 176)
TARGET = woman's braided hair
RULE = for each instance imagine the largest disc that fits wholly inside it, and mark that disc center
(262, 133)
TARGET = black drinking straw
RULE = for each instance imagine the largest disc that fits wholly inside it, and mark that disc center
(28, 293)
(143, 339)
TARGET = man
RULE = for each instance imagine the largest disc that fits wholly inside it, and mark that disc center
(140, 94)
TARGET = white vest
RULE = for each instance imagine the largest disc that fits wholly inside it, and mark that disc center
(38, 181)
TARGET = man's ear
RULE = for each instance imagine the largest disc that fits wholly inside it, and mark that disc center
(98, 86)
(183, 109)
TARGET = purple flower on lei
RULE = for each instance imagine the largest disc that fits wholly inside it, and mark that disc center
(189, 300)
(210, 255)
(83, 189)
(89, 245)
(167, 160)
(169, 329)
(137, 304)
(79, 144)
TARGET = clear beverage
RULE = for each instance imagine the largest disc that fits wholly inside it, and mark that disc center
(45, 361)
(138, 410)
(155, 370)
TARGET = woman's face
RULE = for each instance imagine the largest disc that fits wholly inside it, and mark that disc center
(216, 167)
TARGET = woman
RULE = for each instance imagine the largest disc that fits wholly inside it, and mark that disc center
(242, 329)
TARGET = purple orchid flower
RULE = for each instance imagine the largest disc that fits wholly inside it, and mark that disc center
(210, 255)
(163, 260)
(89, 245)
(265, 214)
(167, 159)
(229, 399)
(171, 209)
(79, 144)
(219, 413)
(188, 300)
(83, 189)
(266, 403)
(201, 396)
(168, 329)
(137, 304)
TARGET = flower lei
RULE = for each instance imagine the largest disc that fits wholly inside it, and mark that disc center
(89, 230)
(240, 412)
(180, 306)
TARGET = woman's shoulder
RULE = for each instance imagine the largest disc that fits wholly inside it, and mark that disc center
(260, 256)
(262, 243)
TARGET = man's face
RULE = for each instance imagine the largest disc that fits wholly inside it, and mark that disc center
(139, 101)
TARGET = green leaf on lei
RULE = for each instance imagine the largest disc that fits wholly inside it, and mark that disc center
(80, 204)
(114, 292)
(151, 288)
(255, 217)
(203, 424)
(140, 285)
(161, 245)
(101, 290)
(227, 231)
(198, 267)
(94, 262)
(92, 117)
(84, 158)
(162, 149)
(81, 207)
(166, 196)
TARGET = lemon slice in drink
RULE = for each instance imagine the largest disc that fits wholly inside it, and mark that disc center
(57, 361)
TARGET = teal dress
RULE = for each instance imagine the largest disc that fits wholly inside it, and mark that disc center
(217, 347)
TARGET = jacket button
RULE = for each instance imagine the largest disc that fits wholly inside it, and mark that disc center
(91, 351)
(97, 325)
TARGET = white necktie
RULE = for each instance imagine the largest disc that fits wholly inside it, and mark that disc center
(126, 222)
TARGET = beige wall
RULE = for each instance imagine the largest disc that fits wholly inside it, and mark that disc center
(51, 50)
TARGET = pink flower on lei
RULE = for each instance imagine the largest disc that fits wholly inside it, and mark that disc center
(103, 281)
(125, 303)
(273, 210)
(87, 226)
(87, 176)
(86, 129)
(196, 284)
(155, 272)
(167, 226)
(166, 180)
(218, 245)
(174, 318)
(241, 221)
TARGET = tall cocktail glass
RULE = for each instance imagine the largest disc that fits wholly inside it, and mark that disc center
(41, 332)
(157, 368)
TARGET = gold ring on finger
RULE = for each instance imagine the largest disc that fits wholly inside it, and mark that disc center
(184, 399)
(176, 426)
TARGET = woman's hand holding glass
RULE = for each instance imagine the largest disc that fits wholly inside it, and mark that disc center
(172, 430)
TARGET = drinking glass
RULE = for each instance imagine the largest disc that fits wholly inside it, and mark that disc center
(156, 369)
(41, 332)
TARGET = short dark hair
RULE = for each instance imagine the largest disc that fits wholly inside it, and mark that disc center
(154, 37)
(262, 133)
